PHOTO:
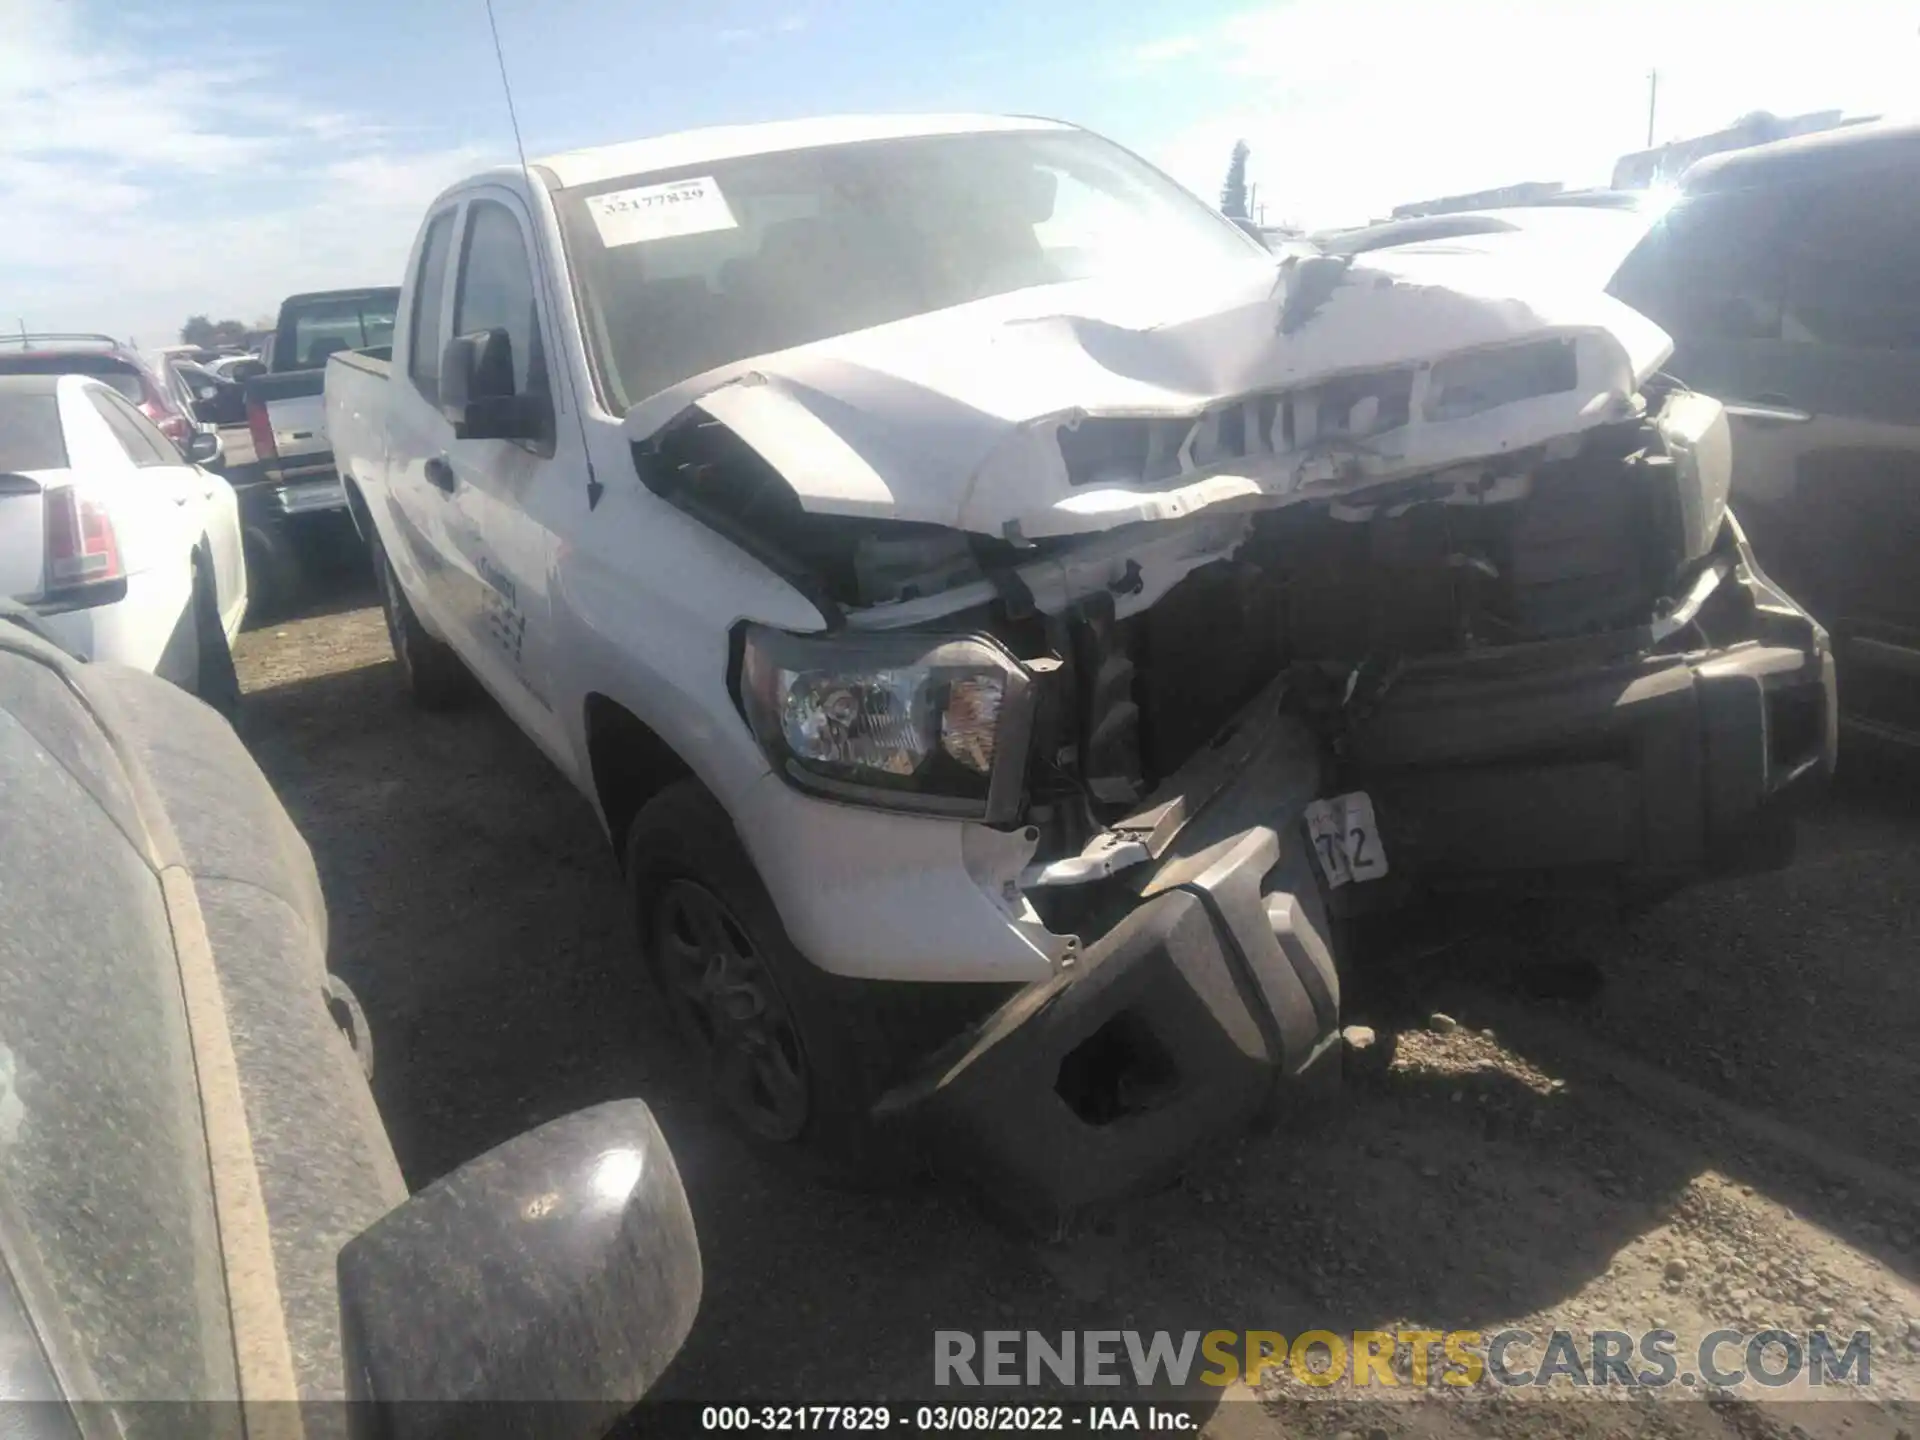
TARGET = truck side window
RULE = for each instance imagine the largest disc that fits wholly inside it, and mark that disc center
(495, 291)
(1714, 268)
(424, 338)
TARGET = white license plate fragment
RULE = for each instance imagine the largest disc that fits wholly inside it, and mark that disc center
(1346, 838)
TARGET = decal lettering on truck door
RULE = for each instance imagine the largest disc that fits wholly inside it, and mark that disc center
(502, 619)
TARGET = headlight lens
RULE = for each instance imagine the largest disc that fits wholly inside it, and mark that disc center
(931, 723)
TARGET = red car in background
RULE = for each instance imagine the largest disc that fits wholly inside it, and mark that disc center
(107, 359)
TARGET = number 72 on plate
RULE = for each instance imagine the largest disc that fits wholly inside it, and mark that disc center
(1346, 838)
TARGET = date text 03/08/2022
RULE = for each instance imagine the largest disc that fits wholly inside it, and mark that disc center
(937, 1419)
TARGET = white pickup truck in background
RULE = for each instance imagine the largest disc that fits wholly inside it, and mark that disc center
(1008, 621)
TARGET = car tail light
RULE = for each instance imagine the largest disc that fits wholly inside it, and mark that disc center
(170, 423)
(261, 429)
(81, 546)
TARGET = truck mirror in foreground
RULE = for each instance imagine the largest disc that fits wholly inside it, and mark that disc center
(477, 394)
(537, 1291)
(205, 448)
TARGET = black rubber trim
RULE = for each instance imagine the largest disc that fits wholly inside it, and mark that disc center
(82, 597)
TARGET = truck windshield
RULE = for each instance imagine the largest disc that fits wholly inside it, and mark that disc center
(681, 271)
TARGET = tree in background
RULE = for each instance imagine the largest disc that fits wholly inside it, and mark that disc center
(207, 334)
(1233, 195)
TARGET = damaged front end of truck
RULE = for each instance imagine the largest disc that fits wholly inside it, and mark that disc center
(1223, 628)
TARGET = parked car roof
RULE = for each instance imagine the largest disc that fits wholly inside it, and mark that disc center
(728, 142)
(351, 292)
(138, 380)
(1586, 243)
(1848, 149)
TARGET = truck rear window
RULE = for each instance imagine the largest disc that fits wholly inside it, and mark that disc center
(30, 437)
(318, 328)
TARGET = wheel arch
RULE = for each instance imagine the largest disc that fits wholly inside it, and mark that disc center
(357, 510)
(629, 763)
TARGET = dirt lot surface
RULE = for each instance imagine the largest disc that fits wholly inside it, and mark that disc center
(1723, 1136)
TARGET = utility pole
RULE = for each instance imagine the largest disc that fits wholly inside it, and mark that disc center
(1653, 101)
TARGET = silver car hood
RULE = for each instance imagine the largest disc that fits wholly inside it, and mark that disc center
(957, 418)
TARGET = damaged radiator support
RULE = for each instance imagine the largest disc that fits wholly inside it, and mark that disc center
(1575, 546)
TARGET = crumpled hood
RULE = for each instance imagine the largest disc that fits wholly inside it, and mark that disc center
(1252, 387)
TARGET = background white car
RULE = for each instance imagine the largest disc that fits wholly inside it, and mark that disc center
(124, 547)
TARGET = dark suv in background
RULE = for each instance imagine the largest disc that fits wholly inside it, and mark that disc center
(1788, 276)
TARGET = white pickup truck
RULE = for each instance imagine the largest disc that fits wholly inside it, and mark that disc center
(1008, 621)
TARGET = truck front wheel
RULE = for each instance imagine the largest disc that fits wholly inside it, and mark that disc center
(784, 1058)
(434, 674)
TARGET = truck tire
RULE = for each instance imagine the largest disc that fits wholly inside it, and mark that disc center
(783, 1053)
(434, 674)
(276, 579)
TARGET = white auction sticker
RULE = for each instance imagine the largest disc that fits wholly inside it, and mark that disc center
(660, 212)
(1346, 839)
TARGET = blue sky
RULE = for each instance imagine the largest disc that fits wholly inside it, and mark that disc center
(160, 159)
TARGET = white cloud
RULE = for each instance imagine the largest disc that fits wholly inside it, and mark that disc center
(1352, 106)
(136, 193)
(1163, 51)
(754, 34)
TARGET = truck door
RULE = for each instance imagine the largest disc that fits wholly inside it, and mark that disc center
(508, 492)
(421, 514)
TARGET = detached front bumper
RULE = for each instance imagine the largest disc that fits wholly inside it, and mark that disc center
(1210, 1004)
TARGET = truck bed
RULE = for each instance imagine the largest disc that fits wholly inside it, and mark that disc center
(375, 362)
(356, 414)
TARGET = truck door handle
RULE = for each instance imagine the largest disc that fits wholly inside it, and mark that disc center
(440, 474)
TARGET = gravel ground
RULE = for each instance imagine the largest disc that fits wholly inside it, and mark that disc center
(1722, 1135)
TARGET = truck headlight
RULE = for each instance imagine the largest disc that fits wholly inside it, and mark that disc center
(934, 724)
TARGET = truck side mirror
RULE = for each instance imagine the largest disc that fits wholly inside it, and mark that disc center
(551, 1279)
(477, 394)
